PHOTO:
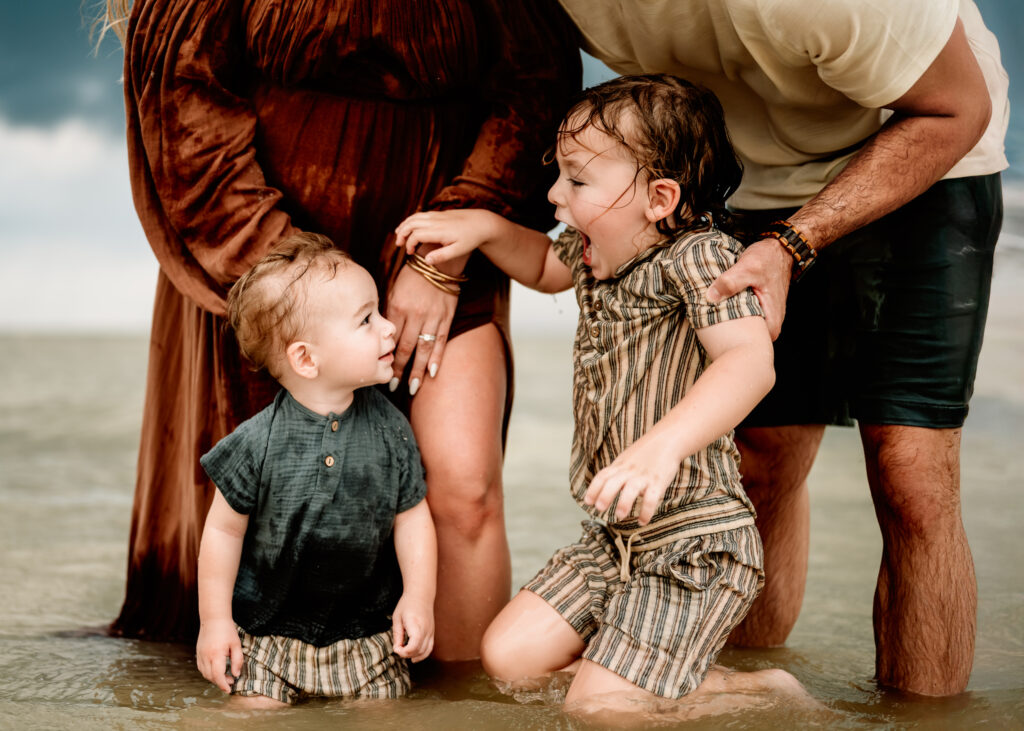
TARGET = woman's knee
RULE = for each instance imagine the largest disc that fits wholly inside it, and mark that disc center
(467, 501)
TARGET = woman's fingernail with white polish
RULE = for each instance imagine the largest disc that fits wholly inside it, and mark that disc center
(414, 386)
(393, 384)
(433, 370)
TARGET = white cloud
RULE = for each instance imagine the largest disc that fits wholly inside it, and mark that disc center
(74, 256)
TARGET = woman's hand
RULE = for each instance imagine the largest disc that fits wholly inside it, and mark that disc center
(418, 308)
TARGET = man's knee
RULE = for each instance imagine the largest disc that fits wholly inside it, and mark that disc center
(917, 477)
(778, 457)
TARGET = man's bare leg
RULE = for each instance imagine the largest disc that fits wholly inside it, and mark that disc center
(926, 599)
(775, 462)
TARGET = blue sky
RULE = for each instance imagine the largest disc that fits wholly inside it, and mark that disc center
(74, 255)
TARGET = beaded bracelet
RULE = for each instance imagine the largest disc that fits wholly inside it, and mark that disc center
(794, 242)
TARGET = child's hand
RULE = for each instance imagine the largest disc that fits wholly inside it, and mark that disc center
(413, 625)
(644, 468)
(218, 641)
(457, 231)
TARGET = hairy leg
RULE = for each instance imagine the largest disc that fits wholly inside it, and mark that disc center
(775, 462)
(457, 420)
(527, 641)
(926, 598)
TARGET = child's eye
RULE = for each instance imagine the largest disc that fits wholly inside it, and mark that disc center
(366, 320)
(576, 183)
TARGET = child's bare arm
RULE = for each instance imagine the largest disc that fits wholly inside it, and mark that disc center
(522, 253)
(219, 553)
(740, 374)
(416, 548)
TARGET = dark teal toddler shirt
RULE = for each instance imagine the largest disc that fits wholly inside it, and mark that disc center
(321, 492)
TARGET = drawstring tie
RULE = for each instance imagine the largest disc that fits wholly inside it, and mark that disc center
(625, 551)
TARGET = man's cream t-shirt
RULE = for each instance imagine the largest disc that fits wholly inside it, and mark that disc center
(803, 82)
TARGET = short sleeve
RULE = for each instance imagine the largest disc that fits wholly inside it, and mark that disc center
(568, 249)
(236, 462)
(863, 50)
(690, 270)
(412, 486)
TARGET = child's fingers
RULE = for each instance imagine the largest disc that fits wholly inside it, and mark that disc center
(627, 496)
(607, 491)
(237, 658)
(398, 632)
(425, 648)
(650, 503)
(448, 251)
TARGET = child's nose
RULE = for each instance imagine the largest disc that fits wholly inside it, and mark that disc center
(389, 327)
(554, 191)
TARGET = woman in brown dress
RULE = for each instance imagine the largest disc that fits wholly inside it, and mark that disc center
(250, 119)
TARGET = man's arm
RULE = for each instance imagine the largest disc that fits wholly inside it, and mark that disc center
(934, 124)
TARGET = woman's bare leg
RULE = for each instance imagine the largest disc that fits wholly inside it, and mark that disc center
(457, 419)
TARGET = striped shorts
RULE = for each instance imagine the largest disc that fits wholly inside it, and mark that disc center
(287, 669)
(663, 626)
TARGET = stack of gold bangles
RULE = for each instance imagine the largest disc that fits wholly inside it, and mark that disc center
(445, 282)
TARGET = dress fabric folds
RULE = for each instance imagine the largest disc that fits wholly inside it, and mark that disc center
(250, 119)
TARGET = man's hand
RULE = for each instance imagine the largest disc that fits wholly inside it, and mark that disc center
(218, 642)
(766, 268)
(413, 627)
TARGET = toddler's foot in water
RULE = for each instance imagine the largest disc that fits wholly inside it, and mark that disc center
(723, 691)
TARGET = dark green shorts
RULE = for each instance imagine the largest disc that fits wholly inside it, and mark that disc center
(887, 325)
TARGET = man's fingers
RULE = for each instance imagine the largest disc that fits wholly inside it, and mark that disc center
(727, 285)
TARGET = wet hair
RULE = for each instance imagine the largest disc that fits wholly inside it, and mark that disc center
(267, 305)
(673, 129)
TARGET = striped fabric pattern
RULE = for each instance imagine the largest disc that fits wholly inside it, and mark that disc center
(287, 669)
(663, 627)
(636, 354)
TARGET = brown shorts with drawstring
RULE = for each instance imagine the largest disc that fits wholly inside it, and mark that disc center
(663, 626)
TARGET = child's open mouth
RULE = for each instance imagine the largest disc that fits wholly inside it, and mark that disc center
(586, 248)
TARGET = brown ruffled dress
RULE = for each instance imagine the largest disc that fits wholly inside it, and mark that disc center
(248, 119)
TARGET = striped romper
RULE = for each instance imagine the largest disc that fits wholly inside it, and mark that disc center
(654, 604)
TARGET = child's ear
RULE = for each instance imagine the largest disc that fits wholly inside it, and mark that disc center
(302, 360)
(663, 195)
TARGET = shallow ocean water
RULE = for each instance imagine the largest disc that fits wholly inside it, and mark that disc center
(69, 417)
